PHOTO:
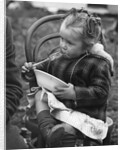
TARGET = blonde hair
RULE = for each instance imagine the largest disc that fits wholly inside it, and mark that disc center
(87, 25)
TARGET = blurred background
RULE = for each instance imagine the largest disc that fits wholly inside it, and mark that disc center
(24, 13)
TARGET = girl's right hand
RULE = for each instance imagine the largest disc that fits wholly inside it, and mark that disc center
(27, 71)
(27, 67)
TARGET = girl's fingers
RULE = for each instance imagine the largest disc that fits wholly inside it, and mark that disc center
(58, 93)
(34, 67)
(28, 65)
(24, 69)
(60, 88)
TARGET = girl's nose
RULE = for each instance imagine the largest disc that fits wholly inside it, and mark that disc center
(63, 45)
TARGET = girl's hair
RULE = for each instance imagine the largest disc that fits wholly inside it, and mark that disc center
(86, 24)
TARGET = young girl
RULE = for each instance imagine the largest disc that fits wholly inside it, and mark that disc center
(87, 69)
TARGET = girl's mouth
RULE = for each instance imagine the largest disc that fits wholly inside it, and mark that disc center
(63, 51)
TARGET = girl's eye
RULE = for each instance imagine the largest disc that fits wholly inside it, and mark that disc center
(62, 39)
(66, 41)
(69, 42)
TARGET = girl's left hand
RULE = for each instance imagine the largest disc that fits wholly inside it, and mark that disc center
(65, 92)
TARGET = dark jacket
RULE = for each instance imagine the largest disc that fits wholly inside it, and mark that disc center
(13, 85)
(91, 76)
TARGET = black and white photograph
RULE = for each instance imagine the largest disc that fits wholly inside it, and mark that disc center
(61, 74)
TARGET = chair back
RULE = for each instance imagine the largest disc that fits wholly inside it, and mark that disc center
(32, 53)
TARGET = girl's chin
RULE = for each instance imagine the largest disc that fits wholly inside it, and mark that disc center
(67, 56)
(64, 54)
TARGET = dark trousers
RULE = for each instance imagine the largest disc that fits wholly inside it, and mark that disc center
(46, 122)
(13, 139)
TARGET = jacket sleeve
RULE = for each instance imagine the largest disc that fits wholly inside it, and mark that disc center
(96, 93)
(13, 85)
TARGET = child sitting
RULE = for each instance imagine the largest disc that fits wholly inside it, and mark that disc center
(85, 67)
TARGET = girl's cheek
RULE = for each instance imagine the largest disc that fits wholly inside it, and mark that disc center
(69, 46)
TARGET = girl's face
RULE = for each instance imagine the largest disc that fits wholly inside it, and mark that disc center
(70, 43)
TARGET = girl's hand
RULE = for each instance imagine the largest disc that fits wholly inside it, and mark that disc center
(27, 71)
(27, 67)
(65, 92)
